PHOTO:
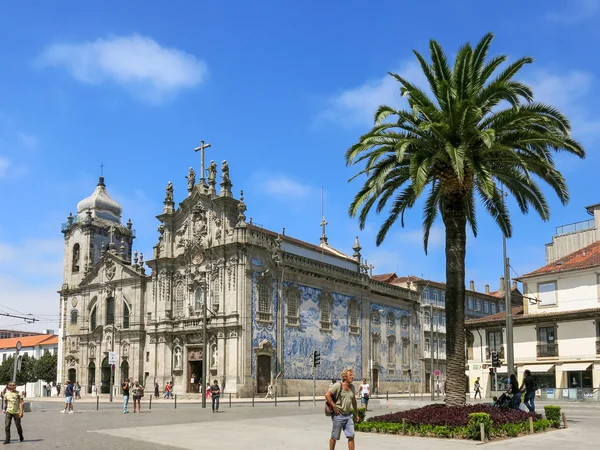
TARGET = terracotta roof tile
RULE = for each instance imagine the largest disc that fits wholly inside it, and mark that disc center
(516, 311)
(385, 277)
(518, 316)
(29, 341)
(584, 258)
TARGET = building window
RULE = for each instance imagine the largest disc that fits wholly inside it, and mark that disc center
(427, 318)
(598, 337)
(93, 319)
(486, 307)
(125, 315)
(198, 298)
(404, 323)
(427, 344)
(376, 348)
(477, 305)
(426, 294)
(443, 319)
(391, 322)
(76, 255)
(325, 306)
(435, 295)
(374, 318)
(443, 298)
(293, 313)
(494, 343)
(264, 302)
(391, 350)
(547, 293)
(110, 310)
(73, 317)
(147, 356)
(405, 351)
(500, 307)
(354, 315)
(179, 300)
(493, 306)
(435, 320)
(470, 303)
(547, 345)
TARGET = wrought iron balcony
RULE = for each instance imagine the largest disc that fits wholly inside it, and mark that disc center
(547, 350)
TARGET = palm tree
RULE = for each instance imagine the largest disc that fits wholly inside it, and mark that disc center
(476, 129)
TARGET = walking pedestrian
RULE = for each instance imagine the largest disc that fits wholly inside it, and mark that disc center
(68, 398)
(364, 390)
(156, 388)
(269, 391)
(208, 394)
(14, 410)
(58, 389)
(125, 388)
(513, 389)
(167, 390)
(529, 386)
(342, 398)
(215, 392)
(77, 389)
(138, 393)
(477, 388)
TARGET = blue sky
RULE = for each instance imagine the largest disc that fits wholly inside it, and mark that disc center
(280, 89)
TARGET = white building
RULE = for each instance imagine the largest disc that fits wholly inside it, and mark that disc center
(34, 346)
(556, 332)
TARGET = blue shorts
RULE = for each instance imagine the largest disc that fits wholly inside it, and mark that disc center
(342, 422)
(68, 399)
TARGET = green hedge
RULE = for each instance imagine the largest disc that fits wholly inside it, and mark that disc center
(553, 415)
(495, 431)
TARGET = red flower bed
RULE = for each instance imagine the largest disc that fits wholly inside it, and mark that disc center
(454, 416)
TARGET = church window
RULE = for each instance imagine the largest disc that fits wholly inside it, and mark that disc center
(376, 349)
(73, 317)
(110, 310)
(374, 318)
(354, 314)
(391, 322)
(391, 350)
(325, 306)
(427, 345)
(264, 301)
(125, 315)
(293, 299)
(405, 350)
(76, 252)
(179, 300)
(198, 298)
(404, 323)
(93, 322)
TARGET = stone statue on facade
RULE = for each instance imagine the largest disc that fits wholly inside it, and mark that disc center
(215, 356)
(212, 174)
(191, 177)
(225, 173)
(178, 364)
(169, 193)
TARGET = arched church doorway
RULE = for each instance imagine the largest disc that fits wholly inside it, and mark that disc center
(72, 376)
(91, 376)
(105, 376)
(263, 373)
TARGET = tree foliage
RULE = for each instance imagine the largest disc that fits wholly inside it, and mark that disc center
(473, 132)
(45, 367)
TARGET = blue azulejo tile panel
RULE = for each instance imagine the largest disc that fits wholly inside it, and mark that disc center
(262, 331)
(394, 328)
(339, 349)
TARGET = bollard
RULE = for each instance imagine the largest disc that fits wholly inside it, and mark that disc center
(253, 399)
(175, 397)
(387, 396)
(564, 416)
(298, 398)
(530, 425)
(482, 431)
(230, 400)
(150, 405)
(97, 402)
(403, 426)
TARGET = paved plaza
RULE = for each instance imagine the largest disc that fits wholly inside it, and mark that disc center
(286, 426)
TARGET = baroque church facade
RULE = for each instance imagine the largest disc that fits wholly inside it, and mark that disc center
(271, 300)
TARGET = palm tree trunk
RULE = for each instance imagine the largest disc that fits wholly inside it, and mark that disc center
(454, 218)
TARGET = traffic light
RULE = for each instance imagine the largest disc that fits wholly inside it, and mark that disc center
(495, 359)
(316, 358)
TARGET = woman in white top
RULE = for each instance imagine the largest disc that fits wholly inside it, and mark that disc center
(365, 392)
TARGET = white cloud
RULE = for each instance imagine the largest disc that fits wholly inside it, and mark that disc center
(568, 92)
(356, 106)
(4, 165)
(281, 186)
(136, 62)
(576, 11)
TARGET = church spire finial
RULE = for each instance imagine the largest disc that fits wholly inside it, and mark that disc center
(357, 248)
(323, 239)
